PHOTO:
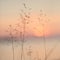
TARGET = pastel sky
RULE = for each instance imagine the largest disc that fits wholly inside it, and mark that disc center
(10, 9)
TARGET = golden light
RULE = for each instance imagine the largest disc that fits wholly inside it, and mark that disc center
(34, 27)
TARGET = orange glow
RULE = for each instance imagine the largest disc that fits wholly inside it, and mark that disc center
(34, 27)
(39, 32)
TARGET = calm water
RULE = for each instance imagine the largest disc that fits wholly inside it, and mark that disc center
(35, 45)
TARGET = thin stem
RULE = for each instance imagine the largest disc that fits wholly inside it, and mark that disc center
(44, 42)
(12, 40)
(30, 53)
(23, 38)
(13, 49)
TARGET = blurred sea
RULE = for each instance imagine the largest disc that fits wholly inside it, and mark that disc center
(33, 45)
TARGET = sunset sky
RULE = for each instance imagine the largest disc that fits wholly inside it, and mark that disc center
(10, 9)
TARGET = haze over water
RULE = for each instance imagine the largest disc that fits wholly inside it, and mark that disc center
(36, 45)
